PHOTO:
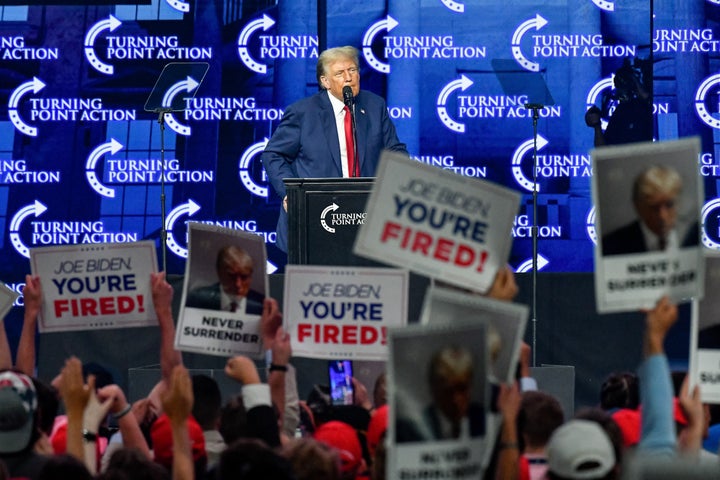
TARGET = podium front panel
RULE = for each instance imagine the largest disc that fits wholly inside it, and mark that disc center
(324, 215)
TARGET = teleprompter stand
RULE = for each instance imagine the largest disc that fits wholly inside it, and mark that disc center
(177, 82)
(519, 82)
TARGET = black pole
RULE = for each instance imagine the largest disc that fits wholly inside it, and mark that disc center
(356, 162)
(535, 107)
(163, 231)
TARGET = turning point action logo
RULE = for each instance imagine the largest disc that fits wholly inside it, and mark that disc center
(60, 109)
(273, 46)
(548, 165)
(710, 221)
(245, 169)
(709, 84)
(137, 171)
(146, 47)
(60, 232)
(561, 45)
(414, 46)
(329, 219)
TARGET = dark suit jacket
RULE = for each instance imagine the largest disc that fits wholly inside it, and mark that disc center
(305, 143)
(409, 431)
(208, 297)
(629, 239)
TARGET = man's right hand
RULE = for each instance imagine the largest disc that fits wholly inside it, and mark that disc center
(285, 203)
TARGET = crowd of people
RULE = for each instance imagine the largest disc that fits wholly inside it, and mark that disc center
(82, 426)
(182, 430)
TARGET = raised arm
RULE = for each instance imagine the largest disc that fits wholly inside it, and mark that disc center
(656, 393)
(177, 402)
(32, 296)
(162, 294)
(132, 436)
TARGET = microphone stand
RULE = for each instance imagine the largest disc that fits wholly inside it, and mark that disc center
(535, 107)
(356, 162)
(163, 231)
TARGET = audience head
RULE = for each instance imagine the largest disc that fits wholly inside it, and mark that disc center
(620, 390)
(233, 420)
(132, 464)
(207, 401)
(312, 459)
(251, 459)
(48, 399)
(580, 449)
(18, 413)
(344, 439)
(103, 376)
(162, 443)
(377, 428)
(319, 403)
(380, 390)
(628, 421)
(608, 425)
(64, 466)
(540, 414)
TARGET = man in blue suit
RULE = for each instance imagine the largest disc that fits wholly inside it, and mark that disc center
(310, 140)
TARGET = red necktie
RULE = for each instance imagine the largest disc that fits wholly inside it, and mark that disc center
(350, 145)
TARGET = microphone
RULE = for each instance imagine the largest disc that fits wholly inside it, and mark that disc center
(348, 96)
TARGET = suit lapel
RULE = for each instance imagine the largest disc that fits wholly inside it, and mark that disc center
(327, 119)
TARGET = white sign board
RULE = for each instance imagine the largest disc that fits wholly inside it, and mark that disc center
(344, 312)
(223, 293)
(437, 223)
(648, 198)
(92, 286)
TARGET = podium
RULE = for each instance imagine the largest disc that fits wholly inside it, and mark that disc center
(324, 215)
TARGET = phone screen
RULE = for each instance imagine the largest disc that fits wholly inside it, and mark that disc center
(341, 387)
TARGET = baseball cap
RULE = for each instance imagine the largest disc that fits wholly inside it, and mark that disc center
(629, 422)
(580, 449)
(18, 402)
(161, 435)
(376, 428)
(344, 439)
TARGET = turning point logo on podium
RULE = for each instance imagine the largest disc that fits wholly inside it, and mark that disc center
(330, 218)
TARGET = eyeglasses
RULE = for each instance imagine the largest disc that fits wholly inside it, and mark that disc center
(341, 74)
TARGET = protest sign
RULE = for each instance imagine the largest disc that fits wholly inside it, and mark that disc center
(505, 324)
(104, 285)
(437, 223)
(344, 312)
(647, 198)
(705, 335)
(7, 299)
(223, 293)
(439, 424)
